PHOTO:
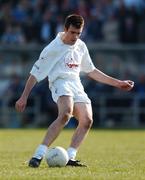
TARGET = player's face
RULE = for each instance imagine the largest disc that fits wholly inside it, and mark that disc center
(72, 34)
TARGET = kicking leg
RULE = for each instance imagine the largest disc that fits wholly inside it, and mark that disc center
(65, 109)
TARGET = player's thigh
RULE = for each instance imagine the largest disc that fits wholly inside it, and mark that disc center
(83, 111)
(65, 105)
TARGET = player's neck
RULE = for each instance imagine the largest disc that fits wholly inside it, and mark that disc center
(63, 38)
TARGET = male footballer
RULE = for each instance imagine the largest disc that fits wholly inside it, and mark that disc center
(62, 61)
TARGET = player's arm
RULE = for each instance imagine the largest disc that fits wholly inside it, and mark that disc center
(38, 72)
(22, 101)
(104, 78)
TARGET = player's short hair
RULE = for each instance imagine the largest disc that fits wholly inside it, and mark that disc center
(75, 20)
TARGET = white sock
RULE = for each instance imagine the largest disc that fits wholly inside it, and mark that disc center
(40, 151)
(71, 152)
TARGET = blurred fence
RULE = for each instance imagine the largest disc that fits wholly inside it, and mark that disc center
(112, 108)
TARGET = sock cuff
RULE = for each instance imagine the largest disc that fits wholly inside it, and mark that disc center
(42, 146)
(72, 149)
(40, 151)
(72, 152)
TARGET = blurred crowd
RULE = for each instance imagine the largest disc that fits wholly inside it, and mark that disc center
(38, 21)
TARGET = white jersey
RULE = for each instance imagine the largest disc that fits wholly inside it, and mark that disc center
(62, 61)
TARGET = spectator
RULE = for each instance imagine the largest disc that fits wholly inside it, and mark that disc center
(48, 27)
(13, 34)
(11, 94)
(14, 89)
(128, 24)
(110, 30)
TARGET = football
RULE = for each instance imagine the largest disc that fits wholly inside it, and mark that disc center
(56, 157)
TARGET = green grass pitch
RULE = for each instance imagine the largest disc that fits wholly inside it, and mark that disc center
(109, 154)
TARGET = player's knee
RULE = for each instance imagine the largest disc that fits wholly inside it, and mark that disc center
(65, 116)
(88, 123)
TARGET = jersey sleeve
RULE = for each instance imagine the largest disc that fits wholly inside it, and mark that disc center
(87, 64)
(40, 68)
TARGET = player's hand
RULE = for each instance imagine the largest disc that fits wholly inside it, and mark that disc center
(21, 104)
(126, 85)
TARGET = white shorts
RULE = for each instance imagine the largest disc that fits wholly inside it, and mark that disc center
(71, 88)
